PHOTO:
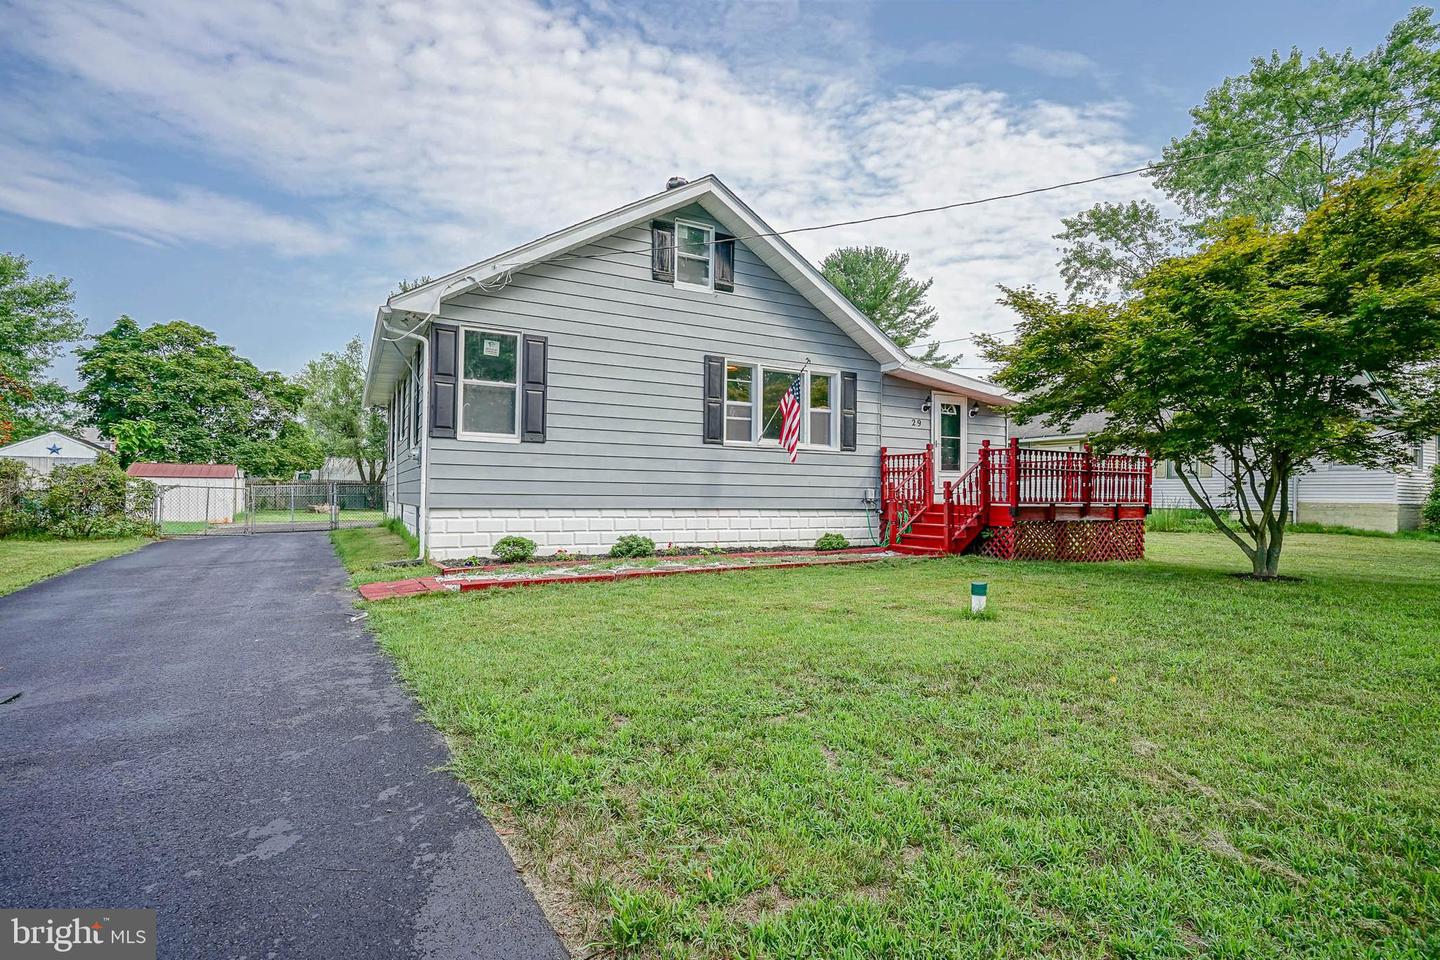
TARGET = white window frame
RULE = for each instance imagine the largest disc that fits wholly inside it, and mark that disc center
(754, 402)
(412, 413)
(831, 442)
(461, 381)
(938, 401)
(708, 287)
(757, 404)
(403, 432)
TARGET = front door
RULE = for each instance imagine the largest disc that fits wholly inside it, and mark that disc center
(949, 432)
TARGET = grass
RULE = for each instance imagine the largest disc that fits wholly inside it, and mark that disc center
(365, 550)
(1129, 760)
(25, 560)
(1192, 520)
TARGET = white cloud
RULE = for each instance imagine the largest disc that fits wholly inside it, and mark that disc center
(1055, 63)
(77, 194)
(440, 134)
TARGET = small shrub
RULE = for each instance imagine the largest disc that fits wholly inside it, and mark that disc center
(633, 545)
(92, 500)
(832, 541)
(514, 549)
(1430, 513)
(671, 550)
(21, 505)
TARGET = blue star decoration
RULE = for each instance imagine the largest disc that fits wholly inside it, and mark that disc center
(54, 448)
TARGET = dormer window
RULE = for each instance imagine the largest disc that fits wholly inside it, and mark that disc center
(692, 255)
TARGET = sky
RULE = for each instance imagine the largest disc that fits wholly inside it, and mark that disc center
(270, 170)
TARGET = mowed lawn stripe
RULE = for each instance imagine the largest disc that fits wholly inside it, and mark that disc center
(1150, 759)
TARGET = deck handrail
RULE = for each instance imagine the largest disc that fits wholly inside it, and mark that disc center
(1014, 476)
(907, 485)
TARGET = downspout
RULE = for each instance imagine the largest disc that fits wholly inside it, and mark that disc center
(422, 520)
(422, 524)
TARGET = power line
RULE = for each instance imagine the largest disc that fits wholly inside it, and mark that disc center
(1134, 171)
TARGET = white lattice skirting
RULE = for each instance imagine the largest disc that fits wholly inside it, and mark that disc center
(458, 533)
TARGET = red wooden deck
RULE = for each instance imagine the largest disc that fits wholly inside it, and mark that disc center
(1019, 503)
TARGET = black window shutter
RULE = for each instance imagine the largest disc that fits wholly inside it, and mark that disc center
(444, 373)
(532, 410)
(714, 399)
(847, 411)
(662, 250)
(724, 262)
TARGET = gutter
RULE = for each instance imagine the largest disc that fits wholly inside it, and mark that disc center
(422, 519)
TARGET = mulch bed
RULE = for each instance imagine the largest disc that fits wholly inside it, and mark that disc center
(598, 571)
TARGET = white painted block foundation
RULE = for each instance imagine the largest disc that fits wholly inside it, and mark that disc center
(459, 533)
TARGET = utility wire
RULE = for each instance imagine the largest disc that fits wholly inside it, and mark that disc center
(1133, 171)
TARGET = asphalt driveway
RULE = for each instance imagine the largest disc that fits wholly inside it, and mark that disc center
(202, 730)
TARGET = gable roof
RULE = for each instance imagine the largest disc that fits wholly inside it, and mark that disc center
(54, 437)
(424, 302)
(183, 471)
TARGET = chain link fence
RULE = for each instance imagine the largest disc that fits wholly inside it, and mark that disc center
(231, 507)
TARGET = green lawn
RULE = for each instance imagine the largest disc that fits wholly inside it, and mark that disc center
(1150, 759)
(24, 561)
(363, 550)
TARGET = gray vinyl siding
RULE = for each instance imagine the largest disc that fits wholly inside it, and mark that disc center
(404, 471)
(625, 388)
(989, 424)
(906, 425)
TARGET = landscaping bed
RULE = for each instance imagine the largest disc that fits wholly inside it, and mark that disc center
(540, 573)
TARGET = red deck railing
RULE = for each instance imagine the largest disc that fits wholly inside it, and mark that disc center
(1012, 477)
(907, 488)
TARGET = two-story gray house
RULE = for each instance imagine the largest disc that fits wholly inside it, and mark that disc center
(623, 376)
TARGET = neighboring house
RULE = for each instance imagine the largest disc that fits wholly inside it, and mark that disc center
(335, 468)
(195, 492)
(44, 453)
(1331, 493)
(622, 376)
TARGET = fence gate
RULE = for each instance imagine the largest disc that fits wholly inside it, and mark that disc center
(236, 507)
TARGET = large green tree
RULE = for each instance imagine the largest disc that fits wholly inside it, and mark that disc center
(336, 413)
(1272, 143)
(876, 280)
(1276, 347)
(37, 323)
(173, 389)
(1269, 144)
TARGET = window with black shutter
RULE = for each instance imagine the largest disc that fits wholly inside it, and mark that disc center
(848, 419)
(444, 365)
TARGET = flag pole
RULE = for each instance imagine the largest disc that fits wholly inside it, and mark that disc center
(803, 367)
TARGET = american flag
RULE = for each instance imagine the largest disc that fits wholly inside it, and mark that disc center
(790, 419)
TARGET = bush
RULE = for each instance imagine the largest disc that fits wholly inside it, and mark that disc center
(1430, 513)
(514, 549)
(22, 508)
(832, 541)
(93, 500)
(633, 545)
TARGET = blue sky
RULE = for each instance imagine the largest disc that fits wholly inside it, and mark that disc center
(270, 170)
